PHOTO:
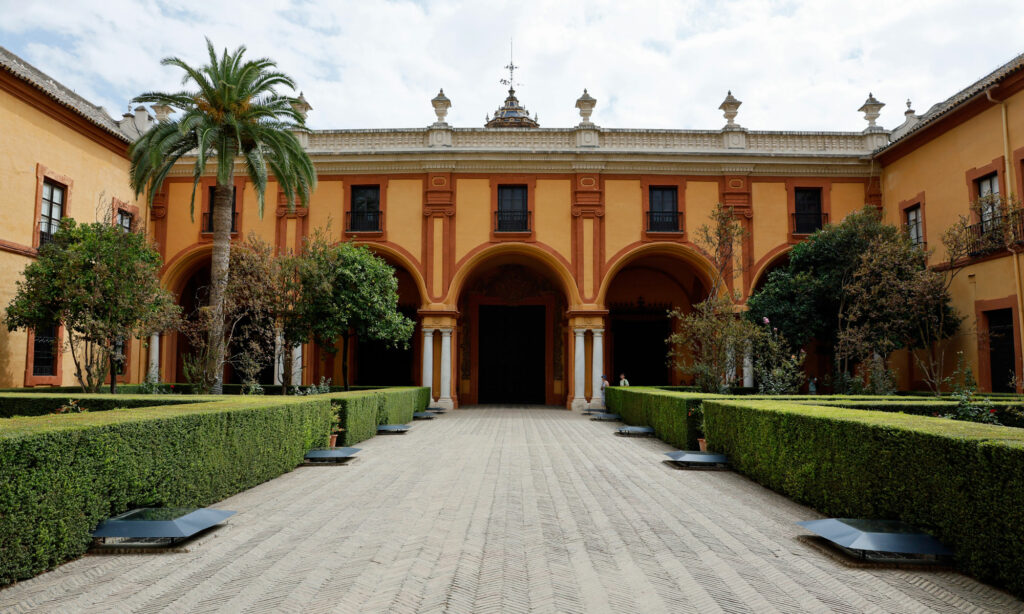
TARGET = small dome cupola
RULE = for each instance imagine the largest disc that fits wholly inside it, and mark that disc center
(511, 114)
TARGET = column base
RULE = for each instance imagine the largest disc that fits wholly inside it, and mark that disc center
(596, 403)
(579, 403)
(444, 404)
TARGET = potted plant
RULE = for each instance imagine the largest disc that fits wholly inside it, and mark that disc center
(336, 430)
(696, 418)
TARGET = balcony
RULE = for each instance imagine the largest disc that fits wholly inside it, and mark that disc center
(47, 228)
(512, 221)
(664, 221)
(363, 221)
(208, 222)
(807, 223)
(995, 233)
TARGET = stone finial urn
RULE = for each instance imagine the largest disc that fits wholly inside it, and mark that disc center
(302, 106)
(586, 104)
(730, 107)
(441, 105)
(871, 108)
(162, 112)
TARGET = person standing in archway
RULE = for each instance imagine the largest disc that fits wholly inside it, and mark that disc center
(622, 380)
(604, 385)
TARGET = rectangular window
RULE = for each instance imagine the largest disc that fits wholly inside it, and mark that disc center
(364, 214)
(513, 209)
(663, 215)
(988, 194)
(807, 210)
(208, 216)
(124, 220)
(52, 211)
(913, 223)
(44, 351)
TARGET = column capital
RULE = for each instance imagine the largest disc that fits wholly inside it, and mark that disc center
(597, 331)
(446, 332)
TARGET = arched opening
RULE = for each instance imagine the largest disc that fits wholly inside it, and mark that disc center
(775, 263)
(639, 298)
(376, 363)
(511, 333)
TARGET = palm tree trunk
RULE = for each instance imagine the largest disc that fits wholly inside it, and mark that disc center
(222, 212)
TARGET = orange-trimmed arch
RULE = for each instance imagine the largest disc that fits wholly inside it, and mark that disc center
(766, 262)
(404, 260)
(554, 263)
(176, 271)
(684, 252)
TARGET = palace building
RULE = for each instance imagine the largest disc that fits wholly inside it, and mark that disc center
(533, 259)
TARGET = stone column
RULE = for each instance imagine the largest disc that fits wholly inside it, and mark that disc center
(153, 375)
(579, 359)
(428, 361)
(597, 369)
(446, 370)
(297, 366)
(748, 368)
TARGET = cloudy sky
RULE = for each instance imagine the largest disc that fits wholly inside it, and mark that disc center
(796, 65)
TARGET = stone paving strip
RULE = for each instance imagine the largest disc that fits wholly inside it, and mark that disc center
(502, 510)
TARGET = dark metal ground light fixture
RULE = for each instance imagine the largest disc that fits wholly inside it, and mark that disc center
(606, 417)
(423, 415)
(392, 429)
(694, 459)
(330, 456)
(159, 527)
(635, 431)
(436, 410)
(880, 541)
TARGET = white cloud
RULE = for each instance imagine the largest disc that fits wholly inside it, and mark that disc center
(800, 65)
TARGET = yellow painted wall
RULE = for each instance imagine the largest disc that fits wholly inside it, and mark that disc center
(553, 215)
(623, 214)
(771, 217)
(472, 214)
(97, 174)
(182, 227)
(701, 198)
(405, 214)
(845, 199)
(325, 207)
(251, 221)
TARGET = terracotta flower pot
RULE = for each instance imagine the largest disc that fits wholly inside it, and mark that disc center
(334, 440)
(703, 444)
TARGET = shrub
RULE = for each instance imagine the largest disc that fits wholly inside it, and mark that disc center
(64, 474)
(13, 404)
(675, 417)
(359, 413)
(961, 481)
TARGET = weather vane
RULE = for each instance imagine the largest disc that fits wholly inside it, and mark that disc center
(511, 68)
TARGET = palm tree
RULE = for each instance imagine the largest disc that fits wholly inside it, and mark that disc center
(231, 113)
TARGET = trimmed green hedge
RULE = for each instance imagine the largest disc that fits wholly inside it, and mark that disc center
(667, 412)
(962, 481)
(36, 404)
(361, 412)
(63, 474)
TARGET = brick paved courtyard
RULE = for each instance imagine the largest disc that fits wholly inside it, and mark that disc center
(501, 510)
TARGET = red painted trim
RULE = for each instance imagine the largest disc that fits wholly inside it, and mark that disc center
(663, 181)
(903, 205)
(765, 261)
(18, 248)
(1017, 157)
(826, 202)
(357, 181)
(42, 102)
(984, 362)
(530, 181)
(997, 166)
(42, 174)
(45, 380)
(204, 186)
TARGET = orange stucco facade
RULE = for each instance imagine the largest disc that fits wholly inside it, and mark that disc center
(580, 284)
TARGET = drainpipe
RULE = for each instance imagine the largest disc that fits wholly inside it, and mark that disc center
(1015, 254)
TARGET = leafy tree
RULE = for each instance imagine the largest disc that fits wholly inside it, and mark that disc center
(708, 338)
(102, 285)
(345, 290)
(251, 302)
(806, 299)
(231, 113)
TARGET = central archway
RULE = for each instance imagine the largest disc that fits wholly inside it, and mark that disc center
(511, 330)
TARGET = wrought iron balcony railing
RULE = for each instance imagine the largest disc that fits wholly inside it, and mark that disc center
(995, 233)
(512, 221)
(364, 221)
(664, 221)
(47, 228)
(208, 222)
(806, 223)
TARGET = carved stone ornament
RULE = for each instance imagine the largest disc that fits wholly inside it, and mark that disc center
(441, 105)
